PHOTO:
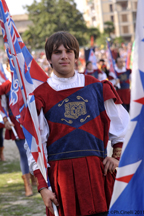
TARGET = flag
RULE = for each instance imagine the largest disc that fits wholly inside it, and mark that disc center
(92, 58)
(132, 53)
(26, 76)
(111, 62)
(128, 59)
(128, 194)
(3, 77)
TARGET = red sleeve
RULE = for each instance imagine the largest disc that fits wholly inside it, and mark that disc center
(109, 92)
(5, 87)
(41, 183)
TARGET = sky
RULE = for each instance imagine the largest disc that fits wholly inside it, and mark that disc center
(15, 6)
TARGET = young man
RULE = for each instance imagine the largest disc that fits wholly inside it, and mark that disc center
(76, 114)
(123, 75)
(103, 67)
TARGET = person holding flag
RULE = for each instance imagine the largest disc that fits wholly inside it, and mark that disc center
(20, 140)
(77, 115)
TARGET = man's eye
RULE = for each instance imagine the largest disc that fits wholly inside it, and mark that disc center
(69, 51)
(57, 52)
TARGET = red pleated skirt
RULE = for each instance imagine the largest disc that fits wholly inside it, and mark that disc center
(80, 186)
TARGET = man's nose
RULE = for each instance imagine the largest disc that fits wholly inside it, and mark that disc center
(64, 55)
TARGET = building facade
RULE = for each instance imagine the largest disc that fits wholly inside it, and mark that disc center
(121, 12)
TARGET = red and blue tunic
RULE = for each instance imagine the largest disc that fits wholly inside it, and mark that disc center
(76, 146)
(124, 91)
(5, 90)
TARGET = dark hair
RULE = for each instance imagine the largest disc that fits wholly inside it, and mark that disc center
(117, 59)
(101, 60)
(88, 62)
(61, 38)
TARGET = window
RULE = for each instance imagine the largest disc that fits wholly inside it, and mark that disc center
(112, 18)
(111, 7)
(123, 5)
(93, 19)
(125, 29)
(124, 18)
(92, 7)
(134, 16)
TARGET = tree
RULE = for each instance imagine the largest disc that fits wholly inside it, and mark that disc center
(49, 16)
(119, 40)
(101, 40)
(109, 27)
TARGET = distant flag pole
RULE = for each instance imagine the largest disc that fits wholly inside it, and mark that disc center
(128, 194)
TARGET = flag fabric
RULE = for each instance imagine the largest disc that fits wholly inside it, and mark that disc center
(132, 53)
(3, 76)
(128, 58)
(128, 194)
(111, 62)
(26, 76)
(92, 58)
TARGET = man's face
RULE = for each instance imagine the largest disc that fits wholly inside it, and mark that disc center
(120, 63)
(63, 62)
(89, 66)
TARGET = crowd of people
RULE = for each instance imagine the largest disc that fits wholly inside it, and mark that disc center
(79, 108)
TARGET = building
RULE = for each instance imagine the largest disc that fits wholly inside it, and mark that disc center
(22, 22)
(121, 12)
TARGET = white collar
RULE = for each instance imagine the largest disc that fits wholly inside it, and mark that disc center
(62, 80)
(118, 70)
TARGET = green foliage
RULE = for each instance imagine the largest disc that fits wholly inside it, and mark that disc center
(109, 27)
(49, 16)
(119, 40)
(101, 40)
(92, 31)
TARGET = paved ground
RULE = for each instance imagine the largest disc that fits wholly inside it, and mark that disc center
(10, 150)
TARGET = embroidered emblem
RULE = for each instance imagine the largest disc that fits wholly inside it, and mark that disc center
(83, 120)
(65, 100)
(123, 77)
(73, 110)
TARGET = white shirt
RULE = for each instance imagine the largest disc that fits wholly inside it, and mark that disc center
(118, 115)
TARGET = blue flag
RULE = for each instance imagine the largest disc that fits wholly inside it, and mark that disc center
(128, 194)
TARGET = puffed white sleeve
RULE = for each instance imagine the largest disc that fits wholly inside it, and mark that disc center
(44, 132)
(119, 119)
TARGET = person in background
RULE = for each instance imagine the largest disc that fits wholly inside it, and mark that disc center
(100, 75)
(5, 90)
(103, 67)
(124, 77)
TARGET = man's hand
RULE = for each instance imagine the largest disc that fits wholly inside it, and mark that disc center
(49, 197)
(8, 125)
(110, 165)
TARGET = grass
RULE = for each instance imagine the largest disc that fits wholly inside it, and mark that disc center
(12, 194)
